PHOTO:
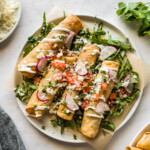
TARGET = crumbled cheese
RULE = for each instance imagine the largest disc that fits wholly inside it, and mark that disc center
(71, 87)
(59, 55)
(125, 84)
(50, 91)
(40, 55)
(79, 103)
(8, 19)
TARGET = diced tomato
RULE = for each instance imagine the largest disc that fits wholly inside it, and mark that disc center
(54, 57)
(86, 87)
(85, 104)
(113, 96)
(36, 80)
(52, 45)
(71, 80)
(79, 87)
(59, 75)
(68, 74)
(58, 65)
(96, 97)
(90, 77)
(69, 77)
(104, 86)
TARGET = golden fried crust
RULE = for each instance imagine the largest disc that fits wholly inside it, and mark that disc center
(85, 56)
(90, 125)
(144, 142)
(71, 22)
(132, 148)
(63, 108)
(34, 101)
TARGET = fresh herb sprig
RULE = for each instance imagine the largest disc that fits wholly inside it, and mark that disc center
(136, 12)
(62, 123)
(34, 41)
(25, 90)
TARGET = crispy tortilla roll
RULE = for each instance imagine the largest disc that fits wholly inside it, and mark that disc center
(144, 142)
(88, 56)
(132, 148)
(52, 42)
(35, 106)
(91, 120)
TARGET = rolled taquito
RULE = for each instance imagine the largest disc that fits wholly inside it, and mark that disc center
(132, 148)
(35, 106)
(50, 44)
(88, 56)
(91, 120)
(144, 142)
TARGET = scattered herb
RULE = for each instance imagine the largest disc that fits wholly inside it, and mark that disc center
(25, 90)
(33, 41)
(62, 123)
(74, 137)
(43, 127)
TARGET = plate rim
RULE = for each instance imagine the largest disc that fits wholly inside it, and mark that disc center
(17, 22)
(127, 118)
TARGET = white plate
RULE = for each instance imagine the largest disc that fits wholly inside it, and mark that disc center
(140, 134)
(54, 132)
(18, 14)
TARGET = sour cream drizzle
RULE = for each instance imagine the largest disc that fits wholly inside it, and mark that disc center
(61, 29)
(26, 68)
(52, 40)
(94, 115)
(41, 107)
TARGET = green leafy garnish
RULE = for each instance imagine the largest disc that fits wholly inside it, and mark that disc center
(136, 12)
(75, 137)
(25, 90)
(34, 41)
(43, 127)
(62, 123)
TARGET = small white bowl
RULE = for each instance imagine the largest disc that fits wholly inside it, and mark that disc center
(18, 14)
(140, 134)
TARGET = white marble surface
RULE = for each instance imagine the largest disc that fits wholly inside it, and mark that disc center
(9, 50)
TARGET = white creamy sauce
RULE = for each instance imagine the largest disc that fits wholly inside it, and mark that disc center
(20, 93)
(26, 68)
(95, 51)
(89, 107)
(52, 40)
(60, 61)
(94, 115)
(35, 116)
(61, 29)
(59, 35)
(41, 107)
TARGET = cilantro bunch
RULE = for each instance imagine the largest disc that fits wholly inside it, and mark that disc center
(136, 12)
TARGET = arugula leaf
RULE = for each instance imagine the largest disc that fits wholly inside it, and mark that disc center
(108, 125)
(25, 90)
(34, 41)
(62, 123)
